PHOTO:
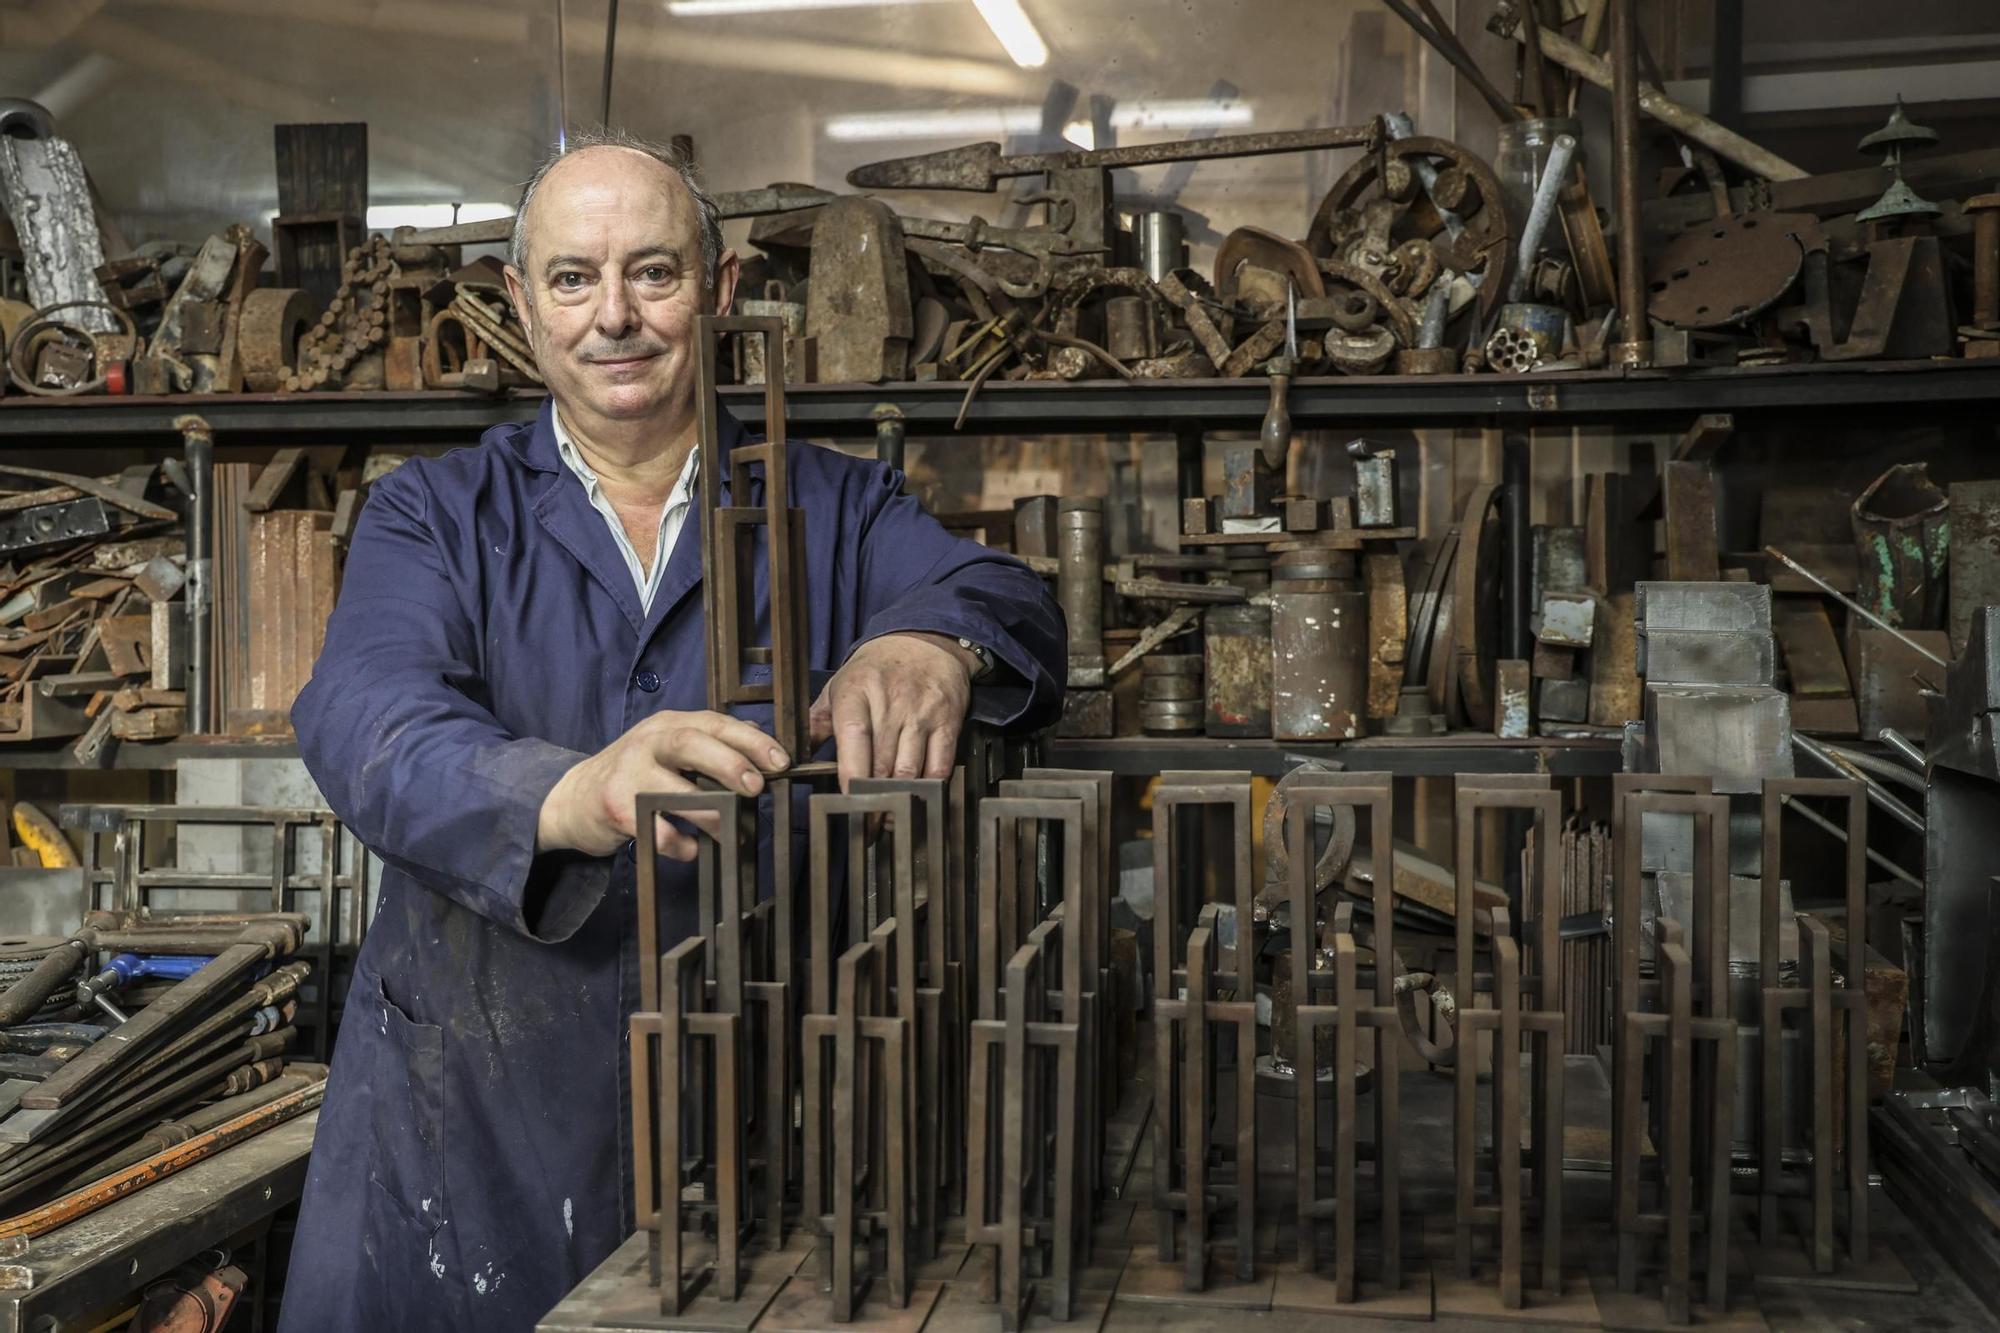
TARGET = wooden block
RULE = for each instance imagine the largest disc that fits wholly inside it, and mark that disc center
(1553, 663)
(1689, 490)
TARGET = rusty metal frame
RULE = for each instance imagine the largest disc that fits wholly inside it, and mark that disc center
(1508, 1020)
(1819, 998)
(1028, 1180)
(866, 1119)
(1184, 1029)
(337, 929)
(728, 585)
(1348, 1013)
(1693, 1092)
(742, 980)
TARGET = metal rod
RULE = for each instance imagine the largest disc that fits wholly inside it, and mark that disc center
(1554, 173)
(1878, 795)
(610, 46)
(1853, 605)
(1826, 825)
(199, 442)
(1634, 347)
(1903, 747)
(1445, 42)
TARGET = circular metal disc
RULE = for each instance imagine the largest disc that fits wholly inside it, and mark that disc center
(1725, 270)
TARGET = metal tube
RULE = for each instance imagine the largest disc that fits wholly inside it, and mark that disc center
(1882, 768)
(1554, 172)
(1635, 346)
(1080, 586)
(890, 433)
(1903, 746)
(1854, 606)
(1430, 333)
(1515, 640)
(199, 442)
(1878, 796)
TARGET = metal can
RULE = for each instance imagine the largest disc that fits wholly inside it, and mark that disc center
(1236, 647)
(1080, 586)
(1319, 646)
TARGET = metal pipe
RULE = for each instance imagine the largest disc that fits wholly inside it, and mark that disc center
(1882, 768)
(1854, 606)
(1903, 747)
(1554, 172)
(1080, 586)
(1430, 333)
(199, 442)
(1754, 158)
(1635, 347)
(1878, 796)
(1445, 42)
(891, 431)
(610, 46)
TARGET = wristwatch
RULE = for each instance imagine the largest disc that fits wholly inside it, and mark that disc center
(986, 662)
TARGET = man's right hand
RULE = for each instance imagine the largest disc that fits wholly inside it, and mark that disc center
(590, 809)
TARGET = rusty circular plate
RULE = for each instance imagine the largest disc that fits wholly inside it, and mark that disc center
(1725, 271)
(1332, 862)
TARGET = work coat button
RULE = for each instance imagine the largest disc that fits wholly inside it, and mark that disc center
(649, 681)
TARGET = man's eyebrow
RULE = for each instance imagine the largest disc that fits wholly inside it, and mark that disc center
(670, 253)
(565, 261)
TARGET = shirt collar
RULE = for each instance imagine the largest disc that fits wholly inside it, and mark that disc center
(573, 459)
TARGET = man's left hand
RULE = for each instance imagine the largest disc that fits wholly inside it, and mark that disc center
(895, 708)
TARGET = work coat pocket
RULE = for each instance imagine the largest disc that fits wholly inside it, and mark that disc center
(406, 1160)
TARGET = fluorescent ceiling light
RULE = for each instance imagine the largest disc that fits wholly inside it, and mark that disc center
(701, 9)
(386, 216)
(1015, 31)
(968, 123)
(1202, 114)
(996, 121)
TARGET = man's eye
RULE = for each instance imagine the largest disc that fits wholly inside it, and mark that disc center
(568, 282)
(656, 273)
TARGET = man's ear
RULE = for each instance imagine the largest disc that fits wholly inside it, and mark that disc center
(517, 292)
(727, 270)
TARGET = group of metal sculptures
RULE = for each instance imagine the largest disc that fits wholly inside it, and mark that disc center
(926, 1050)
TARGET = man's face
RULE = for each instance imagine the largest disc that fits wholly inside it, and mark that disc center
(612, 286)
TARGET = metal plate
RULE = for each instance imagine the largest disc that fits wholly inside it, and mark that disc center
(1728, 270)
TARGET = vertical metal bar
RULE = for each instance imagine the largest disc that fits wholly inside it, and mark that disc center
(1635, 345)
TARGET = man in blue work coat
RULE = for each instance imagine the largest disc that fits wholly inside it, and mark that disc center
(517, 653)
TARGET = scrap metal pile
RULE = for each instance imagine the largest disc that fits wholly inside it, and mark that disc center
(93, 611)
(139, 1044)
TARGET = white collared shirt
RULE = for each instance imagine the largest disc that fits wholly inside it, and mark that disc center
(672, 516)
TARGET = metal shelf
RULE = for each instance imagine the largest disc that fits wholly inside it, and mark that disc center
(1408, 756)
(144, 756)
(844, 411)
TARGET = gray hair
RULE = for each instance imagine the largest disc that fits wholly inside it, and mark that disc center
(708, 218)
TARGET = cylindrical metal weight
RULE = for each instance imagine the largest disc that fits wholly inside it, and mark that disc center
(1155, 689)
(1319, 647)
(1236, 644)
(1128, 328)
(1080, 586)
(1171, 717)
(1162, 241)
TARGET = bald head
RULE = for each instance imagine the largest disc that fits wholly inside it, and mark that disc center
(611, 153)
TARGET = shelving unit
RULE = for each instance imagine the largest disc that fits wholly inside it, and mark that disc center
(1879, 392)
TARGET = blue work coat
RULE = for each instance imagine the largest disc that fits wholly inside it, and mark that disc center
(471, 1164)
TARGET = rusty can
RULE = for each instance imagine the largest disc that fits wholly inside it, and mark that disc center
(1128, 328)
(1170, 694)
(1236, 646)
(1080, 586)
(1319, 646)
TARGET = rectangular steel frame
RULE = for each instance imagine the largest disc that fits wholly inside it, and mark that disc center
(1507, 1020)
(1027, 1181)
(1819, 998)
(1347, 1015)
(1693, 1094)
(1184, 1029)
(727, 531)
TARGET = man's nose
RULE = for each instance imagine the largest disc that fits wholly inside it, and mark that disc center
(614, 309)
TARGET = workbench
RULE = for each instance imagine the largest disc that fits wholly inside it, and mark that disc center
(81, 1267)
